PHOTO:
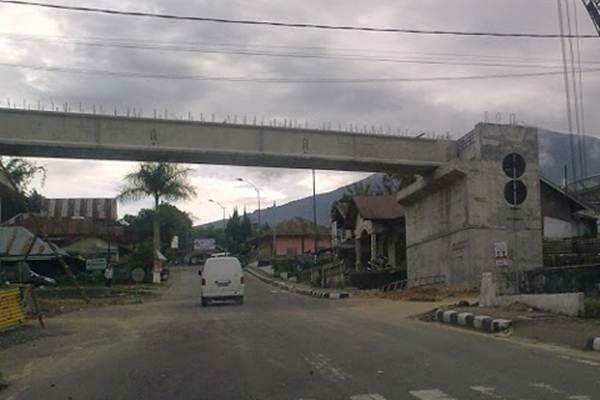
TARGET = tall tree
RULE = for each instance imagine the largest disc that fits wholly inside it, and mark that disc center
(393, 182)
(359, 189)
(161, 181)
(21, 172)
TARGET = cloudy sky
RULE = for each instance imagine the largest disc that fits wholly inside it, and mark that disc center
(33, 37)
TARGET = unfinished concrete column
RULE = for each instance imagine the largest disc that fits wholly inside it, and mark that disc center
(373, 246)
(457, 215)
(357, 252)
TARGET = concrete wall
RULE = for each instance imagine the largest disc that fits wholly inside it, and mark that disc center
(454, 218)
(561, 303)
(570, 304)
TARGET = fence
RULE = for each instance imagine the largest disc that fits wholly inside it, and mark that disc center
(11, 310)
(415, 282)
(558, 253)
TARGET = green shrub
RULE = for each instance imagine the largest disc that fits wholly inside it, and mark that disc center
(592, 307)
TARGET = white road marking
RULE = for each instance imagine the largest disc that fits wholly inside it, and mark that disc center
(588, 362)
(487, 391)
(545, 386)
(372, 396)
(432, 394)
(321, 363)
(584, 397)
(582, 361)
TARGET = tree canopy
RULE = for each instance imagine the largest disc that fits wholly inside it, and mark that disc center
(158, 180)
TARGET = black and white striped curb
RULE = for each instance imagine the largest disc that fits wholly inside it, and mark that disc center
(593, 343)
(297, 289)
(470, 320)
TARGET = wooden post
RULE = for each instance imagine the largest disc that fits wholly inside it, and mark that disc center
(68, 271)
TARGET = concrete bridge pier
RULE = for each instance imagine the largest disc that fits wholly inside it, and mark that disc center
(459, 218)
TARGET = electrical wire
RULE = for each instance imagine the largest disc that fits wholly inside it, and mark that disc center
(288, 24)
(267, 50)
(250, 52)
(323, 80)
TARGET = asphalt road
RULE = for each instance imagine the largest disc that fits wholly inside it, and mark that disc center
(280, 345)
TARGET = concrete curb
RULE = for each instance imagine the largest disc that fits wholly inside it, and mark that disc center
(593, 343)
(480, 322)
(297, 289)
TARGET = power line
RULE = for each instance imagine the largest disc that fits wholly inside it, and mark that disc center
(358, 54)
(323, 80)
(290, 24)
(245, 52)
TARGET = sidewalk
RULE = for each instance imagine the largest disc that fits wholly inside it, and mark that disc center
(540, 326)
(297, 287)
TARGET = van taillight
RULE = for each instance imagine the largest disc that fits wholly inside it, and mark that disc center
(203, 282)
(242, 280)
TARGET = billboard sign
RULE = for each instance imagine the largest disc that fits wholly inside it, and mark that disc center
(204, 244)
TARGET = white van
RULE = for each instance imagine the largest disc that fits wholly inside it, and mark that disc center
(222, 279)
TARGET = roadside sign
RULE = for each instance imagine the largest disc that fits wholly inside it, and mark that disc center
(175, 242)
(205, 244)
(501, 254)
(95, 264)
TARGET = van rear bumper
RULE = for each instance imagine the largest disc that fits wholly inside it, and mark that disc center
(223, 297)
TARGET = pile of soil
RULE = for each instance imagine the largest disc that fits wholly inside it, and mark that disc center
(430, 294)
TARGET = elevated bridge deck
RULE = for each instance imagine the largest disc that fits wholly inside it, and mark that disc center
(94, 136)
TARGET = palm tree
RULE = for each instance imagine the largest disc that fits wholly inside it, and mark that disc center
(21, 172)
(159, 180)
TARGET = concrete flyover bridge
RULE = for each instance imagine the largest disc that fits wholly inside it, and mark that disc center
(476, 196)
(94, 136)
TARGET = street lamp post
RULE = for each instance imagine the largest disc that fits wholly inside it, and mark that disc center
(257, 196)
(220, 205)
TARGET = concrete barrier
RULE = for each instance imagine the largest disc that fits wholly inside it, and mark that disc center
(593, 343)
(483, 323)
(500, 324)
(298, 289)
(465, 319)
(570, 304)
(450, 316)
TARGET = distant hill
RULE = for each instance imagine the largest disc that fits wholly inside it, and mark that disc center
(554, 154)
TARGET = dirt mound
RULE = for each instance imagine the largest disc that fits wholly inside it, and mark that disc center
(430, 294)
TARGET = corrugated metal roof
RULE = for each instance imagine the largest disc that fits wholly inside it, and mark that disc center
(15, 242)
(64, 227)
(93, 208)
(377, 207)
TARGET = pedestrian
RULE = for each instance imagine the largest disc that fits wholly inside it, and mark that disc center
(108, 275)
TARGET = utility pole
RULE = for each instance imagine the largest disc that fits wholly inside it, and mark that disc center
(257, 196)
(220, 205)
(314, 203)
(315, 227)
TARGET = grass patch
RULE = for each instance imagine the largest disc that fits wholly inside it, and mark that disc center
(592, 307)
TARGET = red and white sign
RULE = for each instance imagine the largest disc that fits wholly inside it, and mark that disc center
(501, 254)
